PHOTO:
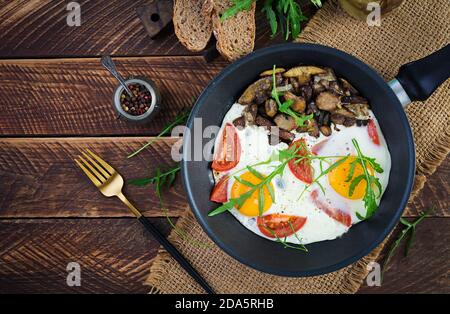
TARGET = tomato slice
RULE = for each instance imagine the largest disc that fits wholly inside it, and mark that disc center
(281, 225)
(228, 150)
(219, 192)
(373, 133)
(302, 169)
(335, 213)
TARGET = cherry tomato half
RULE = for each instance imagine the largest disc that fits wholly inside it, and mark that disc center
(301, 169)
(228, 150)
(373, 133)
(219, 192)
(280, 225)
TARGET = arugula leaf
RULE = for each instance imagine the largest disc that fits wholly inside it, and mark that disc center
(181, 118)
(410, 228)
(169, 174)
(244, 182)
(369, 196)
(286, 13)
(271, 16)
(354, 183)
(239, 5)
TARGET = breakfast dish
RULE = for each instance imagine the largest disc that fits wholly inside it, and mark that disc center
(300, 157)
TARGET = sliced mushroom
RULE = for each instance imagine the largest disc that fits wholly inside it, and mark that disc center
(344, 112)
(327, 101)
(270, 72)
(336, 87)
(271, 108)
(349, 90)
(306, 91)
(312, 108)
(349, 122)
(337, 118)
(258, 92)
(354, 100)
(299, 103)
(361, 111)
(261, 121)
(303, 73)
(285, 122)
(325, 130)
(249, 113)
(328, 75)
(296, 86)
(313, 128)
(239, 122)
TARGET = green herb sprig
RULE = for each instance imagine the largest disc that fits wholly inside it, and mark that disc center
(408, 230)
(285, 107)
(371, 181)
(161, 180)
(180, 119)
(284, 13)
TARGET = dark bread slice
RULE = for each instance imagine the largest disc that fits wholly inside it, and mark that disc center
(236, 35)
(192, 27)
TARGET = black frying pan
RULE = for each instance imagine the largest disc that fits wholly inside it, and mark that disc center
(415, 81)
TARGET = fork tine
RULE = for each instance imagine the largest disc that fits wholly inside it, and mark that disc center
(97, 166)
(93, 170)
(94, 180)
(102, 162)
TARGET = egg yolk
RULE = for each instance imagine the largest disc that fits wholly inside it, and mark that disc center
(250, 206)
(338, 176)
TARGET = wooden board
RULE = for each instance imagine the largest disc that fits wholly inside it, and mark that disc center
(39, 29)
(38, 178)
(114, 255)
(74, 96)
(426, 269)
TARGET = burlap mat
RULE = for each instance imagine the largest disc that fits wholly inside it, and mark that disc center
(416, 29)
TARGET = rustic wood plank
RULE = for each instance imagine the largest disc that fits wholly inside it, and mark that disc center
(38, 178)
(74, 96)
(426, 269)
(435, 193)
(114, 255)
(39, 29)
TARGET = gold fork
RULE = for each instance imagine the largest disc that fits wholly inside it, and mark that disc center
(110, 183)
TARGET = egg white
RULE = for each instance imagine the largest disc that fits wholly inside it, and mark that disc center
(319, 226)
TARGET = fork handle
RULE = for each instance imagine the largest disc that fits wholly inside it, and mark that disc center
(168, 246)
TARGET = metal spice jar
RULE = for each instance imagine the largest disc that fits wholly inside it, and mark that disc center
(142, 106)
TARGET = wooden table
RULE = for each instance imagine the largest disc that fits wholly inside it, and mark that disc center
(56, 99)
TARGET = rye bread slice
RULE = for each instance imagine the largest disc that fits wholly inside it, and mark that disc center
(236, 35)
(192, 27)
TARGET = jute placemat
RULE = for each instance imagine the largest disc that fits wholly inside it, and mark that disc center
(416, 29)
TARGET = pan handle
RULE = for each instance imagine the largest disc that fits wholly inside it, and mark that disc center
(417, 80)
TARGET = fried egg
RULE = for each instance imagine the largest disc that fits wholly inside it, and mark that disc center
(328, 207)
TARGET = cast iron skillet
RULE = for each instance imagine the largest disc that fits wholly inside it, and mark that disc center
(415, 81)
